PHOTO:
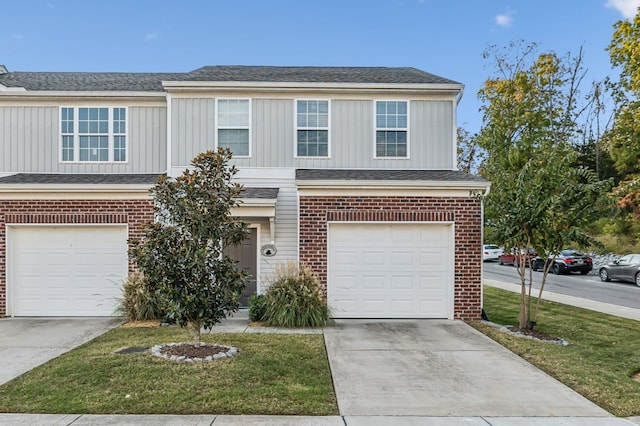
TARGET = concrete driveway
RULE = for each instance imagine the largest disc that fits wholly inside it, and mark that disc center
(439, 368)
(26, 343)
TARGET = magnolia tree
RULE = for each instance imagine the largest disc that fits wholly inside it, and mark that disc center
(182, 255)
(540, 198)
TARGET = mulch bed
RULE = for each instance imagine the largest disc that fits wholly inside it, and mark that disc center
(190, 350)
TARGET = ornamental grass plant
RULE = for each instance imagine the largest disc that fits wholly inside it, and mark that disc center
(294, 298)
(140, 301)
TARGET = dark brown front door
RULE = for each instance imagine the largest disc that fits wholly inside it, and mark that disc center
(245, 254)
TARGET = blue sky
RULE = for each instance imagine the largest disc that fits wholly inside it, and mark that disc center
(444, 37)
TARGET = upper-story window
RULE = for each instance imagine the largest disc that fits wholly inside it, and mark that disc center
(312, 128)
(93, 134)
(233, 125)
(391, 129)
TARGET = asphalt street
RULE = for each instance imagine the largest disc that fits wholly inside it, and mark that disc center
(585, 286)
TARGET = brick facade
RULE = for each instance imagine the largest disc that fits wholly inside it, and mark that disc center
(132, 212)
(465, 213)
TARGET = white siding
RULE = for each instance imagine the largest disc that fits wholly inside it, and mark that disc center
(286, 235)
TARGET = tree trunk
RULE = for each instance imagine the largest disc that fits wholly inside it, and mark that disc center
(522, 322)
(195, 328)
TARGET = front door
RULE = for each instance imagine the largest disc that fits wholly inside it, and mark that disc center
(246, 255)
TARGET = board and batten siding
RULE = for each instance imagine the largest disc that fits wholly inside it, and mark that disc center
(192, 129)
(351, 133)
(30, 142)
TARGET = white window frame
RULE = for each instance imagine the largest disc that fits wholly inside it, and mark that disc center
(390, 129)
(296, 128)
(76, 135)
(247, 127)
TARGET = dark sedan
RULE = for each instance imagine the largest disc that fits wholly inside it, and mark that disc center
(627, 268)
(566, 261)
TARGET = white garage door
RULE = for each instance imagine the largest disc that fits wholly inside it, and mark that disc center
(66, 270)
(385, 270)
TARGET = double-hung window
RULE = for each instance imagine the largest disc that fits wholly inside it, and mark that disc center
(233, 126)
(392, 129)
(93, 134)
(312, 128)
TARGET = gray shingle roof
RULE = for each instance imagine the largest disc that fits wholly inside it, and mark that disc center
(151, 82)
(263, 193)
(87, 82)
(113, 179)
(80, 179)
(380, 75)
(387, 175)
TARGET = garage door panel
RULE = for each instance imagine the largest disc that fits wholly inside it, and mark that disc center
(408, 274)
(402, 282)
(67, 270)
(368, 282)
(405, 258)
(371, 257)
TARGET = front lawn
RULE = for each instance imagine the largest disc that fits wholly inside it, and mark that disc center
(273, 374)
(603, 355)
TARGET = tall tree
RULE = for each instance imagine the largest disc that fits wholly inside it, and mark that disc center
(624, 137)
(182, 254)
(538, 198)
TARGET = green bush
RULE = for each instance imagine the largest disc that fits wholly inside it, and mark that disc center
(257, 306)
(139, 302)
(294, 299)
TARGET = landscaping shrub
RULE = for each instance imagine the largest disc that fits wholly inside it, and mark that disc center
(257, 306)
(294, 299)
(140, 302)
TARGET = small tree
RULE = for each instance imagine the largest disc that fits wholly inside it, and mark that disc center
(182, 251)
(540, 198)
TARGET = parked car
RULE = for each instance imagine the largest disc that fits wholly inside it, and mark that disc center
(627, 268)
(491, 252)
(516, 256)
(567, 261)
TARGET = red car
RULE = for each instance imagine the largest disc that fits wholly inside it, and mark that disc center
(516, 256)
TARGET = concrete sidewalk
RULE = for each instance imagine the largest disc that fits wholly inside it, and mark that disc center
(206, 420)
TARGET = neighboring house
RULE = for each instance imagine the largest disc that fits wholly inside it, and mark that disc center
(349, 170)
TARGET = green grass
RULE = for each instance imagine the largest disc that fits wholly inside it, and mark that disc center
(273, 374)
(603, 354)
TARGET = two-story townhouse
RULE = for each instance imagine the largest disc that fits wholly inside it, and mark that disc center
(349, 170)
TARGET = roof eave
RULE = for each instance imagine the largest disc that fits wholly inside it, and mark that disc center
(195, 86)
(390, 184)
(58, 188)
(88, 95)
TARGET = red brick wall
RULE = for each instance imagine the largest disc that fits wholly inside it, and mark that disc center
(466, 213)
(132, 212)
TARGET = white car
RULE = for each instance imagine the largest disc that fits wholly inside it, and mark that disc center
(491, 252)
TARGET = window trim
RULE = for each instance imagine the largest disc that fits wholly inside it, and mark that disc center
(296, 128)
(248, 127)
(376, 129)
(76, 134)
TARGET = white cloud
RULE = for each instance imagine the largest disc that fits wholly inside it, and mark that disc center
(151, 36)
(16, 37)
(628, 8)
(504, 19)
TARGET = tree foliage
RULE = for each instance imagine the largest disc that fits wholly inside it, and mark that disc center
(182, 250)
(469, 154)
(624, 137)
(539, 197)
